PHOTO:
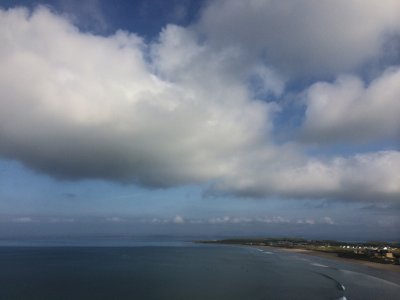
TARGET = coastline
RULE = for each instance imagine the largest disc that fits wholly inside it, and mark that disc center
(334, 256)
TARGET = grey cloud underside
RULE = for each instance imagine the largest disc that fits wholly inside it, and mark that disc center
(76, 105)
(305, 37)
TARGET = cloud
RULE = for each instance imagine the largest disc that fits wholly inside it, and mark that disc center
(350, 111)
(219, 220)
(173, 112)
(361, 177)
(306, 221)
(77, 105)
(114, 219)
(23, 220)
(327, 220)
(178, 220)
(304, 36)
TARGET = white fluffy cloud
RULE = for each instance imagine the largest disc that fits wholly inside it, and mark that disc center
(77, 105)
(178, 111)
(349, 110)
(371, 177)
(304, 36)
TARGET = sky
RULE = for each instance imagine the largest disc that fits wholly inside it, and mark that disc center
(202, 118)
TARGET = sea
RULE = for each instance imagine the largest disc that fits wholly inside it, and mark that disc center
(145, 269)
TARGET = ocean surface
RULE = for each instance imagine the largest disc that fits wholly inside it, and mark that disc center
(179, 270)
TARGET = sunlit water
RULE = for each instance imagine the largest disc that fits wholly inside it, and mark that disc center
(152, 270)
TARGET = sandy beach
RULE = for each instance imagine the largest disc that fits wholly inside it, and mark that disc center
(334, 256)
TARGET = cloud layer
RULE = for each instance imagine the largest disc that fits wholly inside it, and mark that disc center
(181, 110)
(370, 176)
(303, 37)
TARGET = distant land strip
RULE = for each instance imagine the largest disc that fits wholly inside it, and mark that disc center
(375, 252)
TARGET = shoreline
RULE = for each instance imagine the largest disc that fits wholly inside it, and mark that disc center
(334, 256)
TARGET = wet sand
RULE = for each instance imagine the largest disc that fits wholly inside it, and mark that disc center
(334, 256)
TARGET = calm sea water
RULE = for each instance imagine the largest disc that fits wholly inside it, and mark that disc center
(180, 271)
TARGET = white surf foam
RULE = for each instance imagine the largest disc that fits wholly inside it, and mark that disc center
(319, 265)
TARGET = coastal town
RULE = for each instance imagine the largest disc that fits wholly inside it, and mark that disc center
(378, 252)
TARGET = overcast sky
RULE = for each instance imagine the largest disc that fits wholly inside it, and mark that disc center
(258, 117)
